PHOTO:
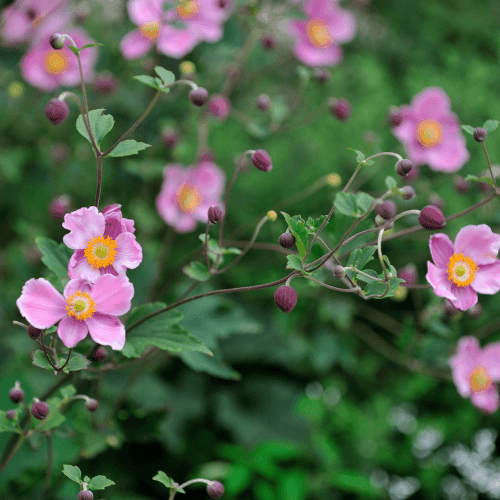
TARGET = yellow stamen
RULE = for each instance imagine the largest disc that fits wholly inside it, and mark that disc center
(100, 251)
(480, 379)
(56, 62)
(188, 198)
(461, 270)
(187, 9)
(80, 305)
(319, 33)
(151, 30)
(429, 133)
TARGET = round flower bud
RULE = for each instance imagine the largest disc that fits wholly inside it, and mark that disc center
(40, 410)
(85, 495)
(339, 272)
(199, 96)
(215, 490)
(16, 394)
(484, 187)
(475, 311)
(403, 167)
(92, 405)
(387, 209)
(285, 298)
(407, 192)
(60, 206)
(268, 41)
(56, 111)
(105, 83)
(450, 309)
(207, 155)
(272, 215)
(33, 332)
(56, 41)
(322, 75)
(380, 221)
(436, 200)
(409, 273)
(395, 117)
(169, 137)
(460, 184)
(412, 175)
(215, 214)
(11, 414)
(263, 102)
(431, 218)
(480, 134)
(340, 108)
(100, 353)
(262, 160)
(220, 107)
(287, 240)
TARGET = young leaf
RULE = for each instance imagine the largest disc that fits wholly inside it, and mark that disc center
(55, 418)
(365, 256)
(167, 76)
(128, 147)
(72, 472)
(99, 483)
(485, 180)
(345, 203)
(67, 391)
(294, 262)
(7, 425)
(197, 271)
(490, 125)
(390, 182)
(54, 256)
(468, 129)
(231, 250)
(91, 45)
(297, 227)
(359, 155)
(363, 202)
(164, 479)
(100, 124)
(147, 80)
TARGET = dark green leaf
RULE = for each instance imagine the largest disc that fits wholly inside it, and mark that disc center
(354, 482)
(294, 262)
(99, 483)
(77, 362)
(363, 202)
(345, 203)
(38, 359)
(73, 49)
(72, 472)
(128, 147)
(54, 256)
(297, 227)
(365, 256)
(197, 271)
(99, 123)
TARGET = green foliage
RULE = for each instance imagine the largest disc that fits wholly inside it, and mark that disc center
(55, 256)
(73, 473)
(167, 481)
(100, 124)
(297, 228)
(7, 425)
(128, 147)
(294, 262)
(197, 271)
(490, 125)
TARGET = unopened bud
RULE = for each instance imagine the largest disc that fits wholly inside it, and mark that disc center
(339, 272)
(263, 102)
(100, 353)
(340, 108)
(16, 394)
(56, 111)
(11, 414)
(387, 209)
(285, 298)
(287, 240)
(105, 83)
(85, 495)
(92, 404)
(262, 160)
(272, 215)
(475, 311)
(322, 75)
(215, 490)
(169, 137)
(460, 184)
(431, 218)
(60, 206)
(56, 41)
(215, 214)
(219, 106)
(268, 41)
(403, 167)
(407, 193)
(395, 117)
(412, 175)
(33, 332)
(380, 221)
(40, 410)
(199, 96)
(480, 134)
(409, 274)
(450, 309)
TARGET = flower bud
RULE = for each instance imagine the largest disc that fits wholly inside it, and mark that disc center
(387, 209)
(169, 137)
(460, 184)
(215, 214)
(436, 200)
(287, 240)
(33, 332)
(407, 192)
(450, 309)
(222, 4)
(475, 311)
(85, 495)
(207, 155)
(285, 298)
(340, 108)
(409, 273)
(60, 206)
(403, 167)
(431, 218)
(11, 414)
(380, 221)
(272, 215)
(56, 41)
(56, 111)
(199, 96)
(412, 175)
(219, 106)
(268, 41)
(339, 272)
(92, 404)
(262, 160)
(215, 490)
(484, 187)
(16, 394)
(322, 75)
(105, 83)
(40, 410)
(480, 134)
(263, 102)
(100, 353)
(395, 117)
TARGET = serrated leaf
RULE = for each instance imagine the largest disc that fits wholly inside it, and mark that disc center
(366, 279)
(468, 129)
(365, 256)
(7, 425)
(128, 147)
(345, 203)
(38, 359)
(54, 256)
(490, 125)
(77, 362)
(297, 227)
(55, 418)
(378, 288)
(167, 76)
(68, 390)
(99, 483)
(390, 182)
(485, 180)
(99, 123)
(363, 202)
(162, 478)
(72, 472)
(294, 262)
(197, 271)
(147, 80)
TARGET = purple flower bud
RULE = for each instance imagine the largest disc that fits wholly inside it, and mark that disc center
(380, 221)
(268, 41)
(285, 298)
(322, 75)
(16, 394)
(409, 273)
(450, 309)
(215, 490)
(407, 192)
(105, 83)
(287, 240)
(431, 218)
(40, 410)
(60, 206)
(33, 332)
(11, 414)
(436, 200)
(85, 495)
(387, 209)
(460, 184)
(403, 167)
(56, 41)
(56, 111)
(219, 106)
(475, 311)
(339, 272)
(262, 160)
(169, 137)
(395, 117)
(480, 134)
(92, 404)
(215, 214)
(222, 4)
(199, 96)
(412, 175)
(484, 187)
(340, 108)
(207, 155)
(263, 102)
(100, 353)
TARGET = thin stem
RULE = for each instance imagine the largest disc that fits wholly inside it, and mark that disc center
(67, 361)
(334, 288)
(358, 168)
(192, 481)
(205, 243)
(379, 249)
(316, 236)
(489, 164)
(46, 354)
(99, 182)
(416, 287)
(50, 462)
(64, 95)
(364, 274)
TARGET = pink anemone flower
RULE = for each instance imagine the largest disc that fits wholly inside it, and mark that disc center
(175, 26)
(104, 243)
(431, 133)
(465, 268)
(474, 372)
(187, 194)
(318, 37)
(84, 308)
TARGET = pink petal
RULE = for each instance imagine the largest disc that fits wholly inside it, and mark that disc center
(312, 56)
(431, 102)
(184, 223)
(406, 130)
(71, 331)
(487, 279)
(83, 224)
(441, 250)
(33, 72)
(438, 278)
(129, 252)
(129, 225)
(466, 297)
(490, 359)
(449, 156)
(342, 26)
(464, 362)
(41, 304)
(107, 330)
(79, 267)
(74, 285)
(479, 243)
(209, 178)
(142, 11)
(206, 31)
(134, 45)
(112, 294)
(320, 9)
(487, 401)
(176, 42)
(16, 25)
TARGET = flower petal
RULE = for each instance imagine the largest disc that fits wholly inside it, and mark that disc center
(175, 42)
(487, 279)
(128, 252)
(71, 331)
(77, 284)
(142, 11)
(343, 26)
(79, 267)
(441, 248)
(449, 156)
(479, 243)
(134, 45)
(312, 56)
(112, 294)
(487, 401)
(83, 224)
(466, 297)
(466, 358)
(438, 278)
(431, 102)
(107, 330)
(490, 359)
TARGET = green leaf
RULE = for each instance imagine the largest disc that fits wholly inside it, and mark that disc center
(67, 391)
(304, 74)
(354, 482)
(294, 262)
(54, 256)
(86, 479)
(490, 125)
(73, 473)
(365, 256)
(7, 425)
(167, 76)
(38, 359)
(100, 124)
(359, 155)
(486, 180)
(99, 483)
(147, 80)
(73, 49)
(162, 478)
(297, 227)
(378, 288)
(55, 418)
(257, 130)
(231, 250)
(313, 225)
(363, 202)
(197, 271)
(345, 203)
(364, 278)
(468, 129)
(91, 45)
(390, 182)
(127, 148)
(77, 362)
(279, 109)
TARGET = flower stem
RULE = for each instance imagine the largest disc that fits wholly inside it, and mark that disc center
(489, 164)
(50, 462)
(99, 182)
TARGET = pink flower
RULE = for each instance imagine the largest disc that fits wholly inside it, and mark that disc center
(187, 194)
(104, 243)
(431, 133)
(465, 268)
(318, 37)
(175, 26)
(220, 106)
(474, 371)
(84, 308)
(47, 68)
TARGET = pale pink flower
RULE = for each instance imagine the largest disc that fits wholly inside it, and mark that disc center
(474, 372)
(187, 194)
(47, 68)
(317, 38)
(465, 268)
(176, 26)
(431, 133)
(84, 308)
(104, 243)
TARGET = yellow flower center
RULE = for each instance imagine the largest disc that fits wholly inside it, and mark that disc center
(319, 33)
(80, 305)
(56, 62)
(187, 9)
(188, 198)
(429, 133)
(38, 20)
(150, 30)
(479, 379)
(100, 251)
(461, 270)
